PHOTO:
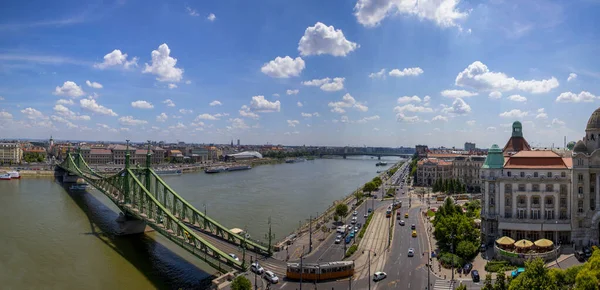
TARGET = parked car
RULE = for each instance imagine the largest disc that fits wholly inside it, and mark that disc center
(516, 272)
(366, 215)
(338, 239)
(580, 255)
(348, 239)
(355, 213)
(483, 248)
(467, 268)
(378, 276)
(256, 268)
(271, 277)
(475, 276)
(588, 252)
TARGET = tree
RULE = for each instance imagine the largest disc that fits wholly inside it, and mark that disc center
(461, 287)
(241, 283)
(336, 218)
(369, 187)
(341, 209)
(377, 181)
(487, 283)
(466, 249)
(535, 277)
(500, 282)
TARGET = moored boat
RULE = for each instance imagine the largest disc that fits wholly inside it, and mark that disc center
(169, 172)
(14, 174)
(81, 186)
(215, 169)
(239, 167)
(5, 176)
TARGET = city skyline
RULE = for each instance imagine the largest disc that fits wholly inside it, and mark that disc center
(339, 73)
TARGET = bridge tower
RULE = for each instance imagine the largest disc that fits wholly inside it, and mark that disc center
(126, 174)
(148, 166)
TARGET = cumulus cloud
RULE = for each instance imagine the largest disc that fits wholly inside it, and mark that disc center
(471, 122)
(426, 100)
(169, 103)
(172, 86)
(583, 97)
(292, 92)
(178, 126)
(207, 117)
(368, 119)
(283, 67)
(185, 111)
(323, 39)
(459, 107)
(191, 12)
(68, 102)
(413, 109)
(67, 113)
(69, 89)
(378, 75)
(541, 114)
(400, 117)
(457, 94)
(440, 118)
(514, 114)
(407, 99)
(32, 113)
(92, 106)
(162, 117)
(5, 115)
(261, 105)
(491, 129)
(237, 123)
(308, 115)
(163, 65)
(94, 85)
(215, 103)
(571, 77)
(142, 105)
(557, 123)
(245, 112)
(299, 104)
(117, 58)
(347, 102)
(495, 95)
(211, 17)
(478, 76)
(130, 121)
(413, 71)
(293, 123)
(517, 98)
(327, 84)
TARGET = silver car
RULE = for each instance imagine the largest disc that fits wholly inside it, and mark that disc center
(271, 277)
(411, 252)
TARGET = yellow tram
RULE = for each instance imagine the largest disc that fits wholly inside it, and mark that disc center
(320, 272)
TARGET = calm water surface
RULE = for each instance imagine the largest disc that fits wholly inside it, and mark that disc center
(53, 239)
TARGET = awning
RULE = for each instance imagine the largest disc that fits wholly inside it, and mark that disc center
(520, 226)
(557, 227)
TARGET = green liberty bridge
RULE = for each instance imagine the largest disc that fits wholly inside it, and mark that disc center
(146, 199)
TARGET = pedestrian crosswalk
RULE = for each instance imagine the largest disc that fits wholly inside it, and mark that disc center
(442, 285)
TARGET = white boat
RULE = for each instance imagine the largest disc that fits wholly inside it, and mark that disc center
(14, 174)
(5, 176)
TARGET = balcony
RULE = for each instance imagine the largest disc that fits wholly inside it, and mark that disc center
(580, 195)
(534, 221)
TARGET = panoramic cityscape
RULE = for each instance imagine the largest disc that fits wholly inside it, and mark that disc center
(390, 144)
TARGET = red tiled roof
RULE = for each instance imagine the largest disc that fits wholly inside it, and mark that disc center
(516, 144)
(537, 159)
(434, 160)
(442, 155)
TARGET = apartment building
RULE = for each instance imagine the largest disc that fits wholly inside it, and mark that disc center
(10, 153)
(431, 169)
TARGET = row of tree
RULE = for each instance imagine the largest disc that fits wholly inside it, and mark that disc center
(372, 185)
(449, 186)
(33, 157)
(281, 154)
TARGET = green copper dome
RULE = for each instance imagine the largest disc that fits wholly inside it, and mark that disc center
(494, 159)
(517, 129)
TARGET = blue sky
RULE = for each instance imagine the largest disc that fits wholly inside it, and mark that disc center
(361, 72)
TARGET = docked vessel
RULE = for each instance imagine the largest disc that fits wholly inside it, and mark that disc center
(169, 172)
(381, 163)
(5, 176)
(295, 160)
(214, 169)
(78, 187)
(239, 167)
(14, 174)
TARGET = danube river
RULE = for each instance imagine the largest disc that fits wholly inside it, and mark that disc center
(54, 239)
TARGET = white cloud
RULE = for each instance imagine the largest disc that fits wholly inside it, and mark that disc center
(412, 108)
(308, 115)
(457, 94)
(517, 98)
(162, 117)
(237, 123)
(245, 112)
(188, 82)
(117, 58)
(471, 122)
(172, 86)
(541, 114)
(94, 85)
(323, 39)
(407, 99)
(378, 75)
(459, 107)
(571, 77)
(130, 121)
(142, 105)
(211, 17)
(347, 102)
(444, 13)
(557, 123)
(178, 126)
(400, 117)
(169, 103)
(283, 67)
(163, 65)
(197, 124)
(185, 111)
(426, 100)
(495, 95)
(413, 71)
(375, 129)
(68, 102)
(65, 112)
(299, 104)
(367, 119)
(191, 12)
(92, 106)
(491, 129)
(206, 117)
(327, 84)
(514, 114)
(32, 113)
(478, 76)
(261, 105)
(215, 103)
(69, 89)
(1, 98)
(293, 123)
(568, 97)
(440, 118)
(292, 92)
(276, 95)
(5, 115)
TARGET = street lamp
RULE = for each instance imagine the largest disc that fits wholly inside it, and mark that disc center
(369, 263)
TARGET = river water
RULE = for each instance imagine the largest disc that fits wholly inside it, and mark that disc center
(53, 239)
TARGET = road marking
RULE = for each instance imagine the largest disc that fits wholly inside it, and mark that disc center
(408, 284)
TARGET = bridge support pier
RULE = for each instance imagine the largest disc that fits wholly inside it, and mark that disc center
(129, 225)
(66, 178)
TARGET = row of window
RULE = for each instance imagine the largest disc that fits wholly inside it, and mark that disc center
(536, 174)
(535, 200)
(534, 187)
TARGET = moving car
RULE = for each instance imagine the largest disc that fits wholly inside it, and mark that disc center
(413, 227)
(256, 268)
(475, 276)
(378, 276)
(366, 215)
(516, 272)
(402, 223)
(355, 213)
(414, 234)
(406, 215)
(411, 252)
(370, 210)
(338, 239)
(234, 257)
(271, 277)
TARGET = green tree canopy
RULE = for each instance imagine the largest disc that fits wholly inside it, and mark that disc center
(535, 277)
(487, 283)
(341, 209)
(369, 187)
(377, 181)
(241, 283)
(500, 282)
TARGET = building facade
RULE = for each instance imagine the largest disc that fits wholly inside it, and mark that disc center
(526, 196)
(429, 170)
(469, 146)
(11, 153)
(466, 169)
